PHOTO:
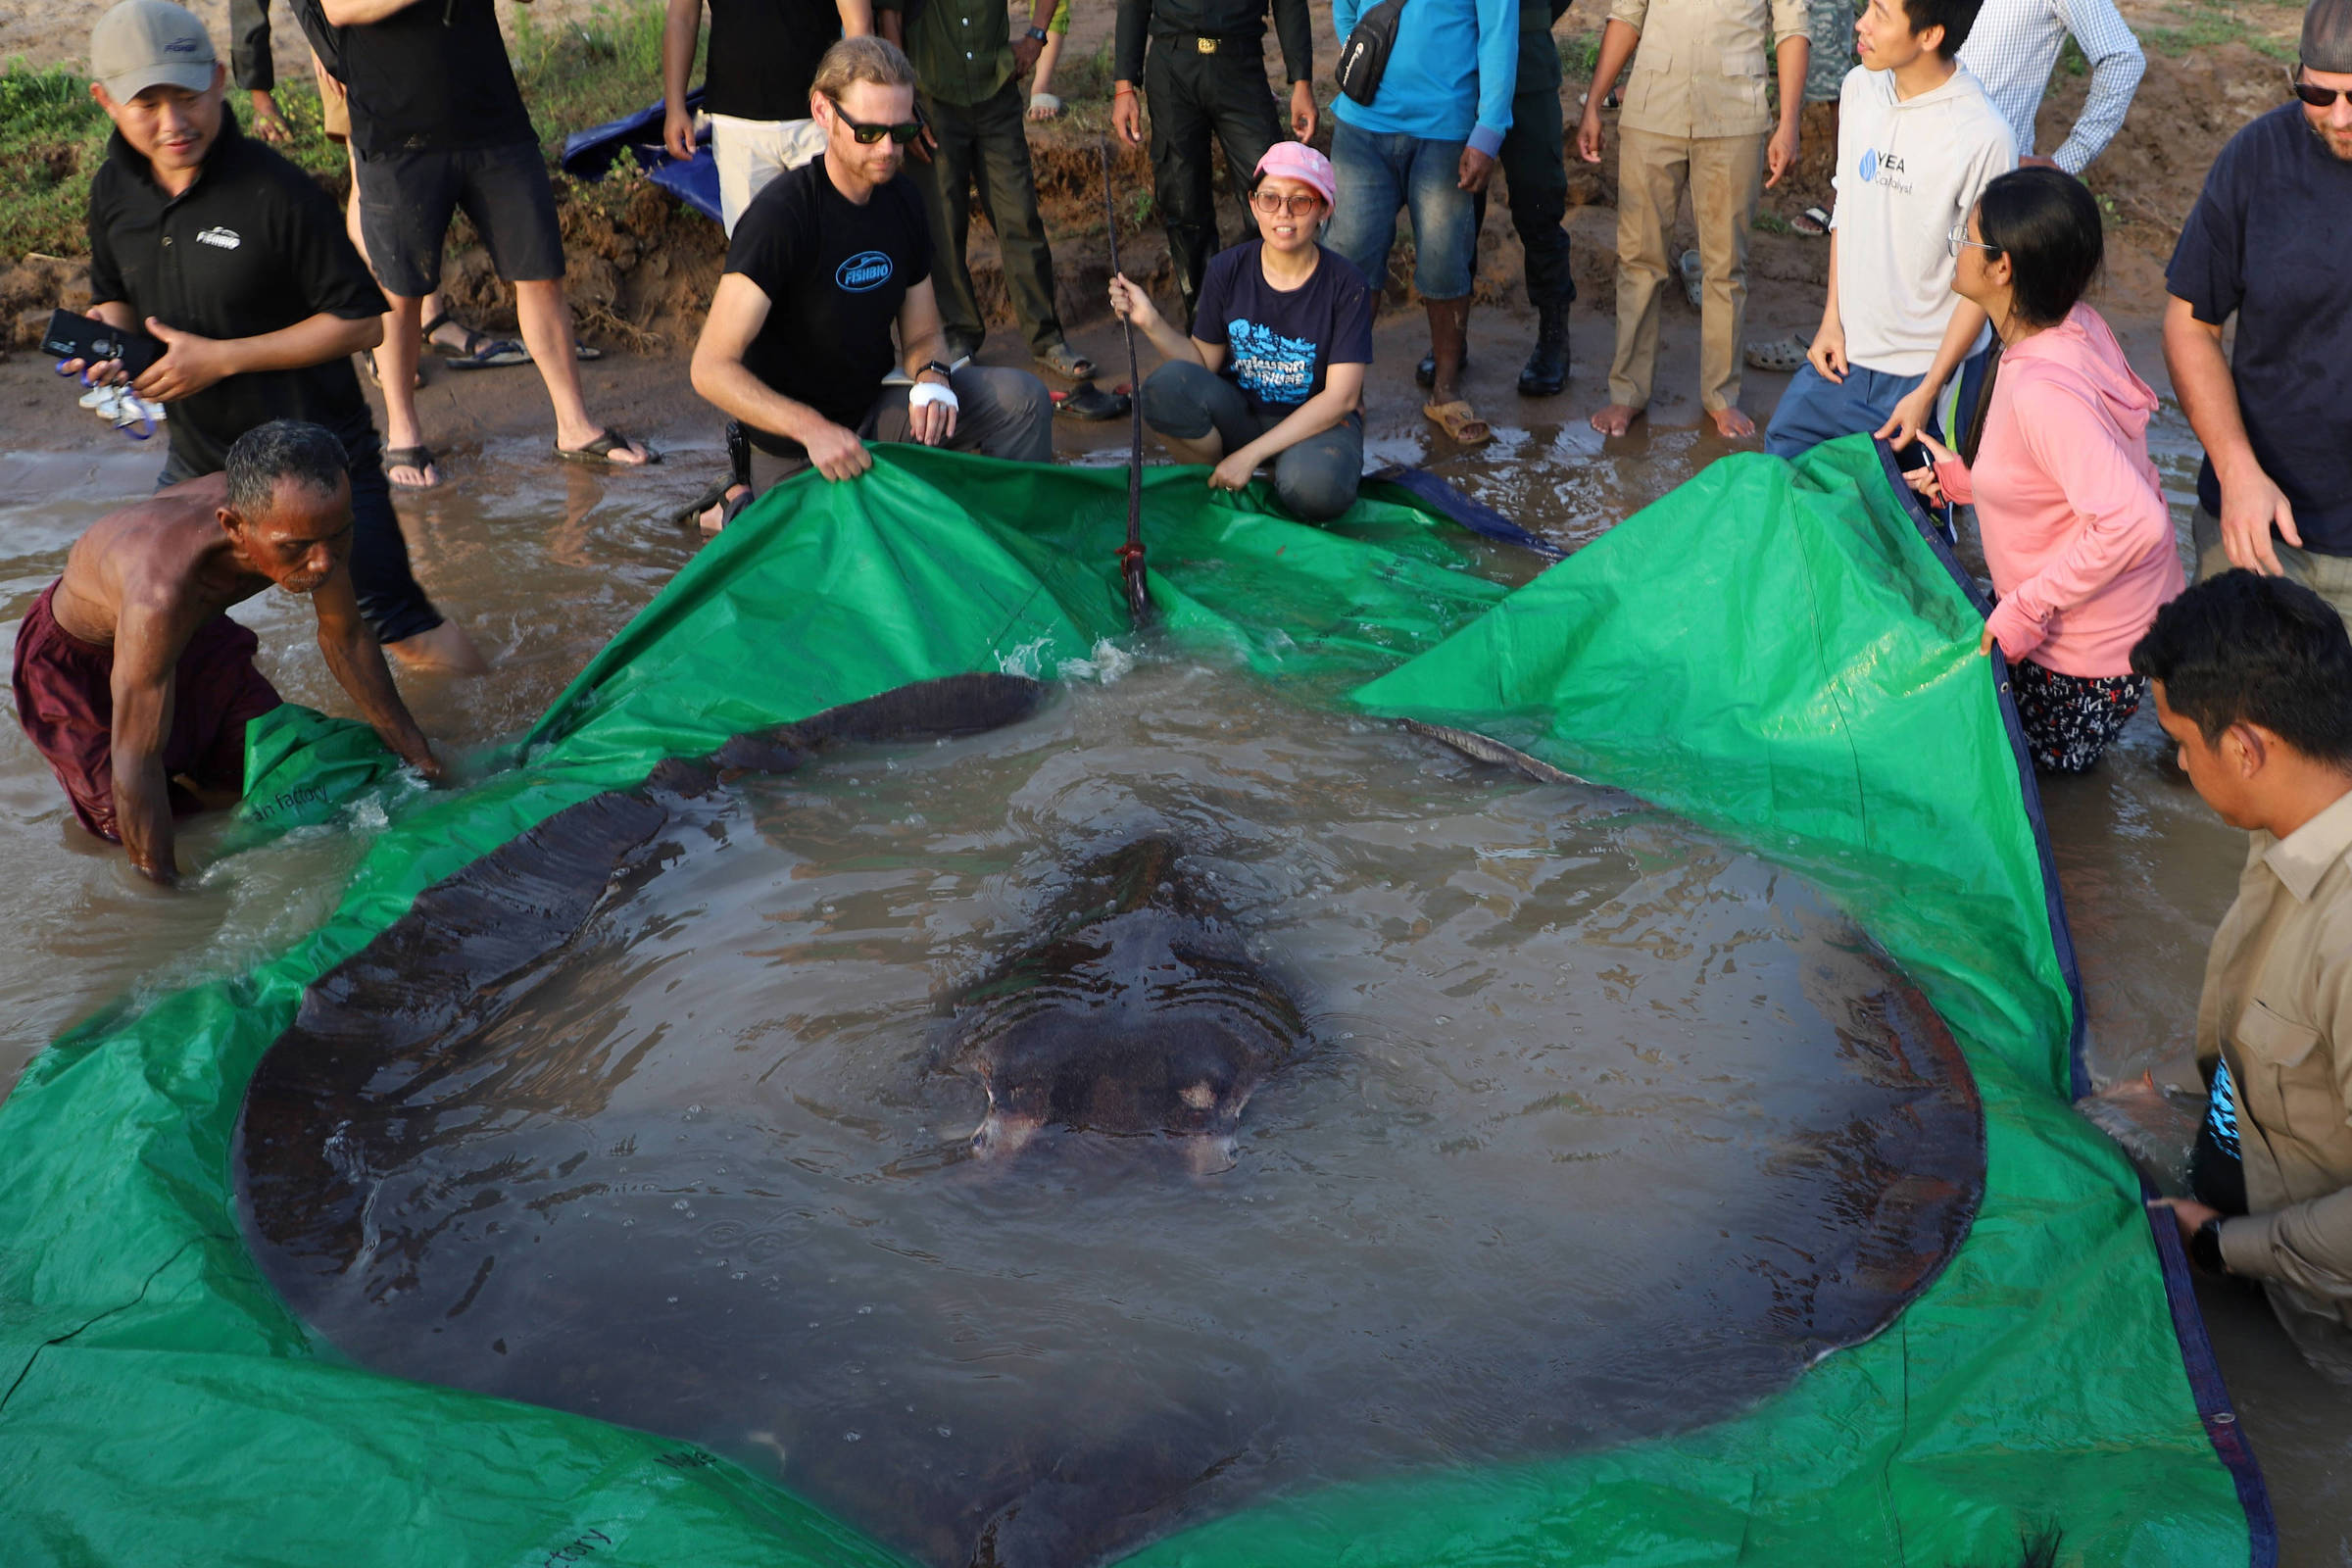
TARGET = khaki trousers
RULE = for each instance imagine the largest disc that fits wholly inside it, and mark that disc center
(1725, 175)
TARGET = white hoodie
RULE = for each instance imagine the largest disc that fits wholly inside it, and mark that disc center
(1908, 172)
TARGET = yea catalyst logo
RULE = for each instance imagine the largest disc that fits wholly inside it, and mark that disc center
(867, 270)
(228, 239)
(1890, 165)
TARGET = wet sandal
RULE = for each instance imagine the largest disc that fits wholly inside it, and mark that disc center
(417, 458)
(479, 351)
(1087, 401)
(1782, 354)
(599, 451)
(690, 515)
(1459, 422)
(1812, 221)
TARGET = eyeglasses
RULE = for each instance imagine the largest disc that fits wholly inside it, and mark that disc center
(1273, 202)
(1959, 237)
(868, 135)
(2312, 93)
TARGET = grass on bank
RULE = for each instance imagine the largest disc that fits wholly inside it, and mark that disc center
(53, 135)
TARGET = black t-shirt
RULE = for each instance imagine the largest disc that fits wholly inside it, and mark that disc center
(432, 76)
(2270, 238)
(1278, 344)
(764, 55)
(253, 246)
(835, 274)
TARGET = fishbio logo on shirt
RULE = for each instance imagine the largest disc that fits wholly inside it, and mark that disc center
(867, 270)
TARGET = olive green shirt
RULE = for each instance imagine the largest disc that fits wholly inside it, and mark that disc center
(961, 49)
(2277, 1007)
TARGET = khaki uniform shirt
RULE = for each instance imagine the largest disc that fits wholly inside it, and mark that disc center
(2277, 1007)
(1702, 65)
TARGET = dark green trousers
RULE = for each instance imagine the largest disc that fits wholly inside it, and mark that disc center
(1193, 98)
(986, 142)
(1535, 168)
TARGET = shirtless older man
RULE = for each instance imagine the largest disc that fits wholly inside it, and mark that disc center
(133, 683)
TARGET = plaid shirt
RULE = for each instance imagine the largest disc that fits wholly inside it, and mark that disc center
(2013, 48)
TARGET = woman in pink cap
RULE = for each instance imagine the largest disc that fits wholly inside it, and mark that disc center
(1274, 371)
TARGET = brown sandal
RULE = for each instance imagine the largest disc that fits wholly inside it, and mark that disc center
(1459, 422)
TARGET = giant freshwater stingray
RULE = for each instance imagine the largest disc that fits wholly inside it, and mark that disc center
(436, 1188)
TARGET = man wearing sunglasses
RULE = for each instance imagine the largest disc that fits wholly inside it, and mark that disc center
(826, 262)
(2269, 241)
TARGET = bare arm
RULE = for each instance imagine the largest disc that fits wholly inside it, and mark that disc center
(1793, 54)
(1342, 394)
(1828, 353)
(142, 687)
(190, 363)
(738, 310)
(1133, 305)
(923, 344)
(358, 664)
(856, 17)
(2252, 505)
(357, 13)
(681, 26)
(1617, 43)
(1911, 415)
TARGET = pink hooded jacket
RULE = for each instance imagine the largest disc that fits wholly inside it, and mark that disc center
(2069, 503)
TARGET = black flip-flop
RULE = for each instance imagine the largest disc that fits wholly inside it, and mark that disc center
(420, 457)
(1087, 401)
(599, 451)
(479, 351)
(690, 515)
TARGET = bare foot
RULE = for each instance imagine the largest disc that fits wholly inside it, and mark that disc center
(443, 649)
(716, 519)
(1730, 424)
(1615, 419)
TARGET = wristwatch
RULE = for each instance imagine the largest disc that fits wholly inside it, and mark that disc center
(1037, 34)
(2205, 1247)
(945, 374)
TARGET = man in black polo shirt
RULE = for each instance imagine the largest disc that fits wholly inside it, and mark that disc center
(437, 124)
(829, 258)
(237, 261)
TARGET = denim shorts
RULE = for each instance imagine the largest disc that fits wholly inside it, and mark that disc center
(1379, 172)
(407, 198)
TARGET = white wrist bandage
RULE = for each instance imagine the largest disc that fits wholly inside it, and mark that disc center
(931, 392)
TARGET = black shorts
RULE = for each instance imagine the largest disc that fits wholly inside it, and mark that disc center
(391, 599)
(406, 200)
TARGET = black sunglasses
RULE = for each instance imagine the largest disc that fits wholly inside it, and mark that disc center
(2312, 93)
(868, 135)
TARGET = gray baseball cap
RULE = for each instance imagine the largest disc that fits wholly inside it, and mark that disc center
(147, 43)
(2328, 35)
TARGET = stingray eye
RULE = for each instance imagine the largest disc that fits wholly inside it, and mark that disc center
(1202, 1095)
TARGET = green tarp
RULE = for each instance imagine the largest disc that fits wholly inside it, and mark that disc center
(1774, 650)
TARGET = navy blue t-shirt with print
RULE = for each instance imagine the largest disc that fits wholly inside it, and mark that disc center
(835, 274)
(1279, 344)
(2271, 239)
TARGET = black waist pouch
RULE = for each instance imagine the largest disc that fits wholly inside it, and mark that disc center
(1365, 57)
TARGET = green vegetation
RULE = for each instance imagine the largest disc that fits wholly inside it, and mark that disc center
(2205, 25)
(53, 137)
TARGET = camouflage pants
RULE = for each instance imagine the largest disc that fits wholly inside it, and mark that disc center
(1832, 52)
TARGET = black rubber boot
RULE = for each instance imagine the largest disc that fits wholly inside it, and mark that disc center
(1546, 370)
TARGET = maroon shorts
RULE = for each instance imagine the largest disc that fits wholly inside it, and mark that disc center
(65, 702)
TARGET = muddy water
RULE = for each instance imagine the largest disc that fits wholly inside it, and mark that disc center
(1576, 1153)
(2146, 870)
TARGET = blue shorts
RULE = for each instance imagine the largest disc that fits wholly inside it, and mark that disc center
(1816, 408)
(1379, 172)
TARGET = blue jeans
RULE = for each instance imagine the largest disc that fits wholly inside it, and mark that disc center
(1316, 478)
(1816, 408)
(1379, 172)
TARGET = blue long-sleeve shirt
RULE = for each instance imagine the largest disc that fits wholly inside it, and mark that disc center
(1450, 75)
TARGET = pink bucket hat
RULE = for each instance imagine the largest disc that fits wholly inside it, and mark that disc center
(1295, 159)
